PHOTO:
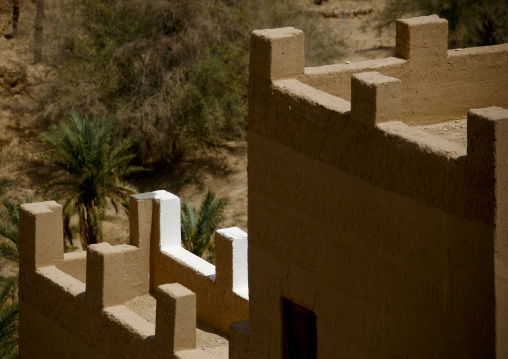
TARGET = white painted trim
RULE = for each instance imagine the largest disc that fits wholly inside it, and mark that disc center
(240, 260)
(191, 260)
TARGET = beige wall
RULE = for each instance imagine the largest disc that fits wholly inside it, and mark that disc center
(387, 233)
(55, 306)
(217, 303)
(437, 84)
(42, 338)
(382, 272)
(73, 305)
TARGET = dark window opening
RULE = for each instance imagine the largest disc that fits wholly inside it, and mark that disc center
(299, 335)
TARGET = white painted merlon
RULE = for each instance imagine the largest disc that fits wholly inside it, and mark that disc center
(240, 262)
(170, 232)
(169, 217)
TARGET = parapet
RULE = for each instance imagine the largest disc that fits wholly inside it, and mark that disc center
(359, 116)
(221, 290)
(80, 298)
(397, 233)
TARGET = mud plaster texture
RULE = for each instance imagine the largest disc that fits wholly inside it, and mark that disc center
(394, 236)
(113, 301)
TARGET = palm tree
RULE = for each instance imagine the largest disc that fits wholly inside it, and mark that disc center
(8, 286)
(93, 167)
(9, 229)
(198, 230)
(8, 317)
(9, 224)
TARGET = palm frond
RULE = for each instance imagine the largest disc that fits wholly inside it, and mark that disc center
(9, 232)
(57, 182)
(9, 349)
(10, 216)
(9, 252)
(120, 155)
(125, 203)
(8, 318)
(95, 217)
(9, 228)
(124, 171)
(7, 289)
(5, 185)
(121, 188)
(8, 323)
(198, 230)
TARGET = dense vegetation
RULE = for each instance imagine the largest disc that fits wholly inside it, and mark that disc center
(470, 22)
(175, 71)
(8, 286)
(8, 317)
(9, 228)
(9, 223)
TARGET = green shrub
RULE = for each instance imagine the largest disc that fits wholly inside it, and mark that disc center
(175, 71)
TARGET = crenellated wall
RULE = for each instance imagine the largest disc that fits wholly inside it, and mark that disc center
(394, 238)
(437, 84)
(74, 304)
(222, 291)
(389, 240)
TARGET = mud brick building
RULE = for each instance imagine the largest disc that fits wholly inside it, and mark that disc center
(370, 236)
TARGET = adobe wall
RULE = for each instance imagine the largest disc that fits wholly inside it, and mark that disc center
(217, 304)
(74, 304)
(395, 238)
(55, 306)
(222, 298)
(437, 84)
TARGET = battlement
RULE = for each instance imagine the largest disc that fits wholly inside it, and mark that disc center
(82, 296)
(436, 84)
(366, 117)
(388, 240)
